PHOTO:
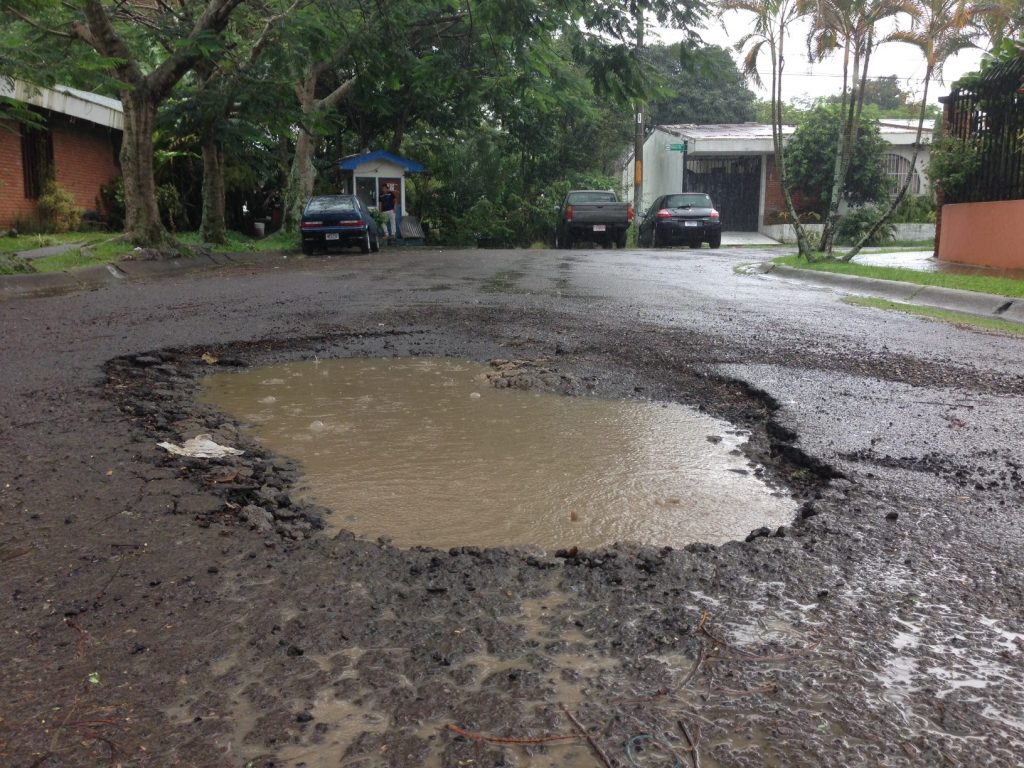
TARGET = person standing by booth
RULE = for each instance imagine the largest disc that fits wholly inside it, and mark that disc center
(386, 204)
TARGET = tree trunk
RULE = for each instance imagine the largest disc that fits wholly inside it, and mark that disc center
(779, 144)
(638, 132)
(142, 223)
(300, 180)
(929, 70)
(844, 150)
(214, 228)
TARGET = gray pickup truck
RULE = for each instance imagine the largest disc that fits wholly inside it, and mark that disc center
(595, 216)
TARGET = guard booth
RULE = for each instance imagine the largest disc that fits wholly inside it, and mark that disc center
(369, 174)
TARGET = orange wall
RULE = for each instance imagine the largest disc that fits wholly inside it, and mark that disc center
(991, 234)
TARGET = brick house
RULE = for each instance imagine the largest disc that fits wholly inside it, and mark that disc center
(735, 164)
(78, 146)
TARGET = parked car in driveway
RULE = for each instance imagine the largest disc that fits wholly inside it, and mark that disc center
(681, 217)
(595, 216)
(330, 221)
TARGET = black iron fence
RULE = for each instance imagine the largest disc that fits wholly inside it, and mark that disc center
(985, 121)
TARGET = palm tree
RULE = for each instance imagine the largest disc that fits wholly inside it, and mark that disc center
(771, 23)
(849, 26)
(999, 20)
(941, 28)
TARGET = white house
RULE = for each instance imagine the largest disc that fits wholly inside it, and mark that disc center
(735, 164)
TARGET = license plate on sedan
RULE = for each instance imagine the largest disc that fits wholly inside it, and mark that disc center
(331, 236)
(599, 227)
(691, 223)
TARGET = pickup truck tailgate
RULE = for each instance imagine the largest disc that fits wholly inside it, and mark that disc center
(599, 213)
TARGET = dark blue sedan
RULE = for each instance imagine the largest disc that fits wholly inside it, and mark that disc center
(338, 221)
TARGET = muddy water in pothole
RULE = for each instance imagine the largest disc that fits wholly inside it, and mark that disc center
(429, 452)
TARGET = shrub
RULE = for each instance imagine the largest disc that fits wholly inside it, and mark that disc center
(13, 264)
(855, 224)
(952, 164)
(112, 197)
(57, 209)
(168, 202)
(915, 209)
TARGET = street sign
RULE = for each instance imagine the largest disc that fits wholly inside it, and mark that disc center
(676, 147)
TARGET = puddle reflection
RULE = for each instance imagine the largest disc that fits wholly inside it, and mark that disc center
(428, 452)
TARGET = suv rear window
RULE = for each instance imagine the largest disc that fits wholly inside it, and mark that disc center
(694, 200)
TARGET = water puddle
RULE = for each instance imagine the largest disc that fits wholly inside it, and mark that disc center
(429, 452)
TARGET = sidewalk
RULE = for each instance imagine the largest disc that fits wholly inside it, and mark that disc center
(90, 278)
(950, 299)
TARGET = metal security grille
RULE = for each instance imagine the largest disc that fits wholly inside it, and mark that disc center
(734, 184)
(990, 116)
(896, 167)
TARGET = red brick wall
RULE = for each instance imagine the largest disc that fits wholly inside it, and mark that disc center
(83, 159)
(774, 201)
(12, 186)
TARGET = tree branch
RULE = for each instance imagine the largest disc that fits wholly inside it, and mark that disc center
(335, 97)
(162, 79)
(36, 25)
(104, 39)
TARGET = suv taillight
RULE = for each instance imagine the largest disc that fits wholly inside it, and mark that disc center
(629, 212)
(568, 213)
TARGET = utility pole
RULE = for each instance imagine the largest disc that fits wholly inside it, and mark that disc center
(638, 124)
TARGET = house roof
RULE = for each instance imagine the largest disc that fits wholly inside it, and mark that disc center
(351, 162)
(898, 131)
(725, 138)
(754, 138)
(64, 100)
(719, 131)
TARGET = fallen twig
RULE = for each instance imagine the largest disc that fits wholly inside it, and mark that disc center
(583, 731)
(15, 555)
(83, 636)
(693, 670)
(694, 753)
(507, 739)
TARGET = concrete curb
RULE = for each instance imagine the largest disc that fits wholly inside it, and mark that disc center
(950, 299)
(91, 278)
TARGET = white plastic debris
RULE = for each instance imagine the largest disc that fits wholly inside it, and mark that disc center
(201, 447)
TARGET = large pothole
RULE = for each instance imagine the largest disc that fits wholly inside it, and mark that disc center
(445, 453)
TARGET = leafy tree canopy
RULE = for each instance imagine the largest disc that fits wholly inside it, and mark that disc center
(810, 156)
(704, 87)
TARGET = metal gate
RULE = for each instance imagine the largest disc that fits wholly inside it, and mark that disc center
(734, 184)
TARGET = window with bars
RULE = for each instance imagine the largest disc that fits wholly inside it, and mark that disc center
(896, 167)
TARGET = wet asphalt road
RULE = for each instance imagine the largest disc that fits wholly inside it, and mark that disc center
(888, 629)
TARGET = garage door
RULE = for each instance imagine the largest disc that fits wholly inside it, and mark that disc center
(734, 184)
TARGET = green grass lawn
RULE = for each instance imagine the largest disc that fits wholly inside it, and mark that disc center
(31, 242)
(106, 247)
(1001, 286)
(957, 318)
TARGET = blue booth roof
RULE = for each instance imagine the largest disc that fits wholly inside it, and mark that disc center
(352, 162)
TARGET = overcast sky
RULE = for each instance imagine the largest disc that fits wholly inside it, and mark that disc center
(803, 78)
